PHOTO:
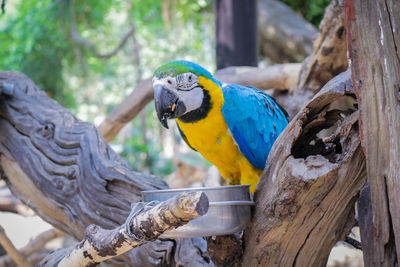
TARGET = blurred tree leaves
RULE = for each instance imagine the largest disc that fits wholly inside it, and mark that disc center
(31, 41)
(311, 10)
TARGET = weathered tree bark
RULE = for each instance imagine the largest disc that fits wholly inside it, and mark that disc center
(100, 244)
(329, 56)
(280, 77)
(327, 60)
(64, 170)
(374, 50)
(305, 198)
(284, 35)
(225, 250)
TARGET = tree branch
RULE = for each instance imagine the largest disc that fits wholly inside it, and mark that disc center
(77, 38)
(99, 244)
(329, 57)
(9, 203)
(326, 61)
(374, 54)
(11, 250)
(33, 246)
(280, 76)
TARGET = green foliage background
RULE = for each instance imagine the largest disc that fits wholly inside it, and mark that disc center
(35, 39)
(312, 11)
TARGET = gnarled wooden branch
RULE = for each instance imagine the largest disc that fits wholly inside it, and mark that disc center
(305, 198)
(329, 57)
(64, 170)
(100, 245)
(327, 60)
(284, 35)
(282, 76)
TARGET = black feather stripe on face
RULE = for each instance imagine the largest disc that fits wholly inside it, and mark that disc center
(201, 112)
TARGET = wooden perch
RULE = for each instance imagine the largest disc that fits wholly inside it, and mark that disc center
(374, 51)
(306, 196)
(64, 170)
(282, 76)
(99, 244)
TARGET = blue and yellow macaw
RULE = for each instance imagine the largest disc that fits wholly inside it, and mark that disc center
(232, 126)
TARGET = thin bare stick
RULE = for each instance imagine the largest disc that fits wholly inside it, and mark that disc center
(33, 246)
(11, 250)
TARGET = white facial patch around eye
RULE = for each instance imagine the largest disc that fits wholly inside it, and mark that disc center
(191, 98)
(168, 82)
(186, 81)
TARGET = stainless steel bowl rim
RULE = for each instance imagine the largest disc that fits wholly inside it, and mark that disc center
(194, 189)
(232, 203)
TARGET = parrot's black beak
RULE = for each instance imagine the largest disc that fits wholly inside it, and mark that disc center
(167, 104)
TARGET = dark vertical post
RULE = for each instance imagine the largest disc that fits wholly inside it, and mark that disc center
(236, 33)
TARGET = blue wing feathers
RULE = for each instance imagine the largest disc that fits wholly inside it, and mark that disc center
(255, 120)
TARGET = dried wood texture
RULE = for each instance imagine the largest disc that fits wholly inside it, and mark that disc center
(284, 35)
(100, 245)
(329, 56)
(326, 61)
(374, 51)
(281, 76)
(305, 198)
(64, 170)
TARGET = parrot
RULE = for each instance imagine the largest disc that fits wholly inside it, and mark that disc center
(230, 125)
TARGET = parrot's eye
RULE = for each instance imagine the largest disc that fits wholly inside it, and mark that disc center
(169, 81)
(190, 78)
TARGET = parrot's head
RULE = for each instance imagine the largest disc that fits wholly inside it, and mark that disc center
(178, 92)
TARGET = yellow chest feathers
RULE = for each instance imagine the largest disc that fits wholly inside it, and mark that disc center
(210, 135)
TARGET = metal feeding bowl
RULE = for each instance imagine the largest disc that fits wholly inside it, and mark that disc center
(229, 211)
